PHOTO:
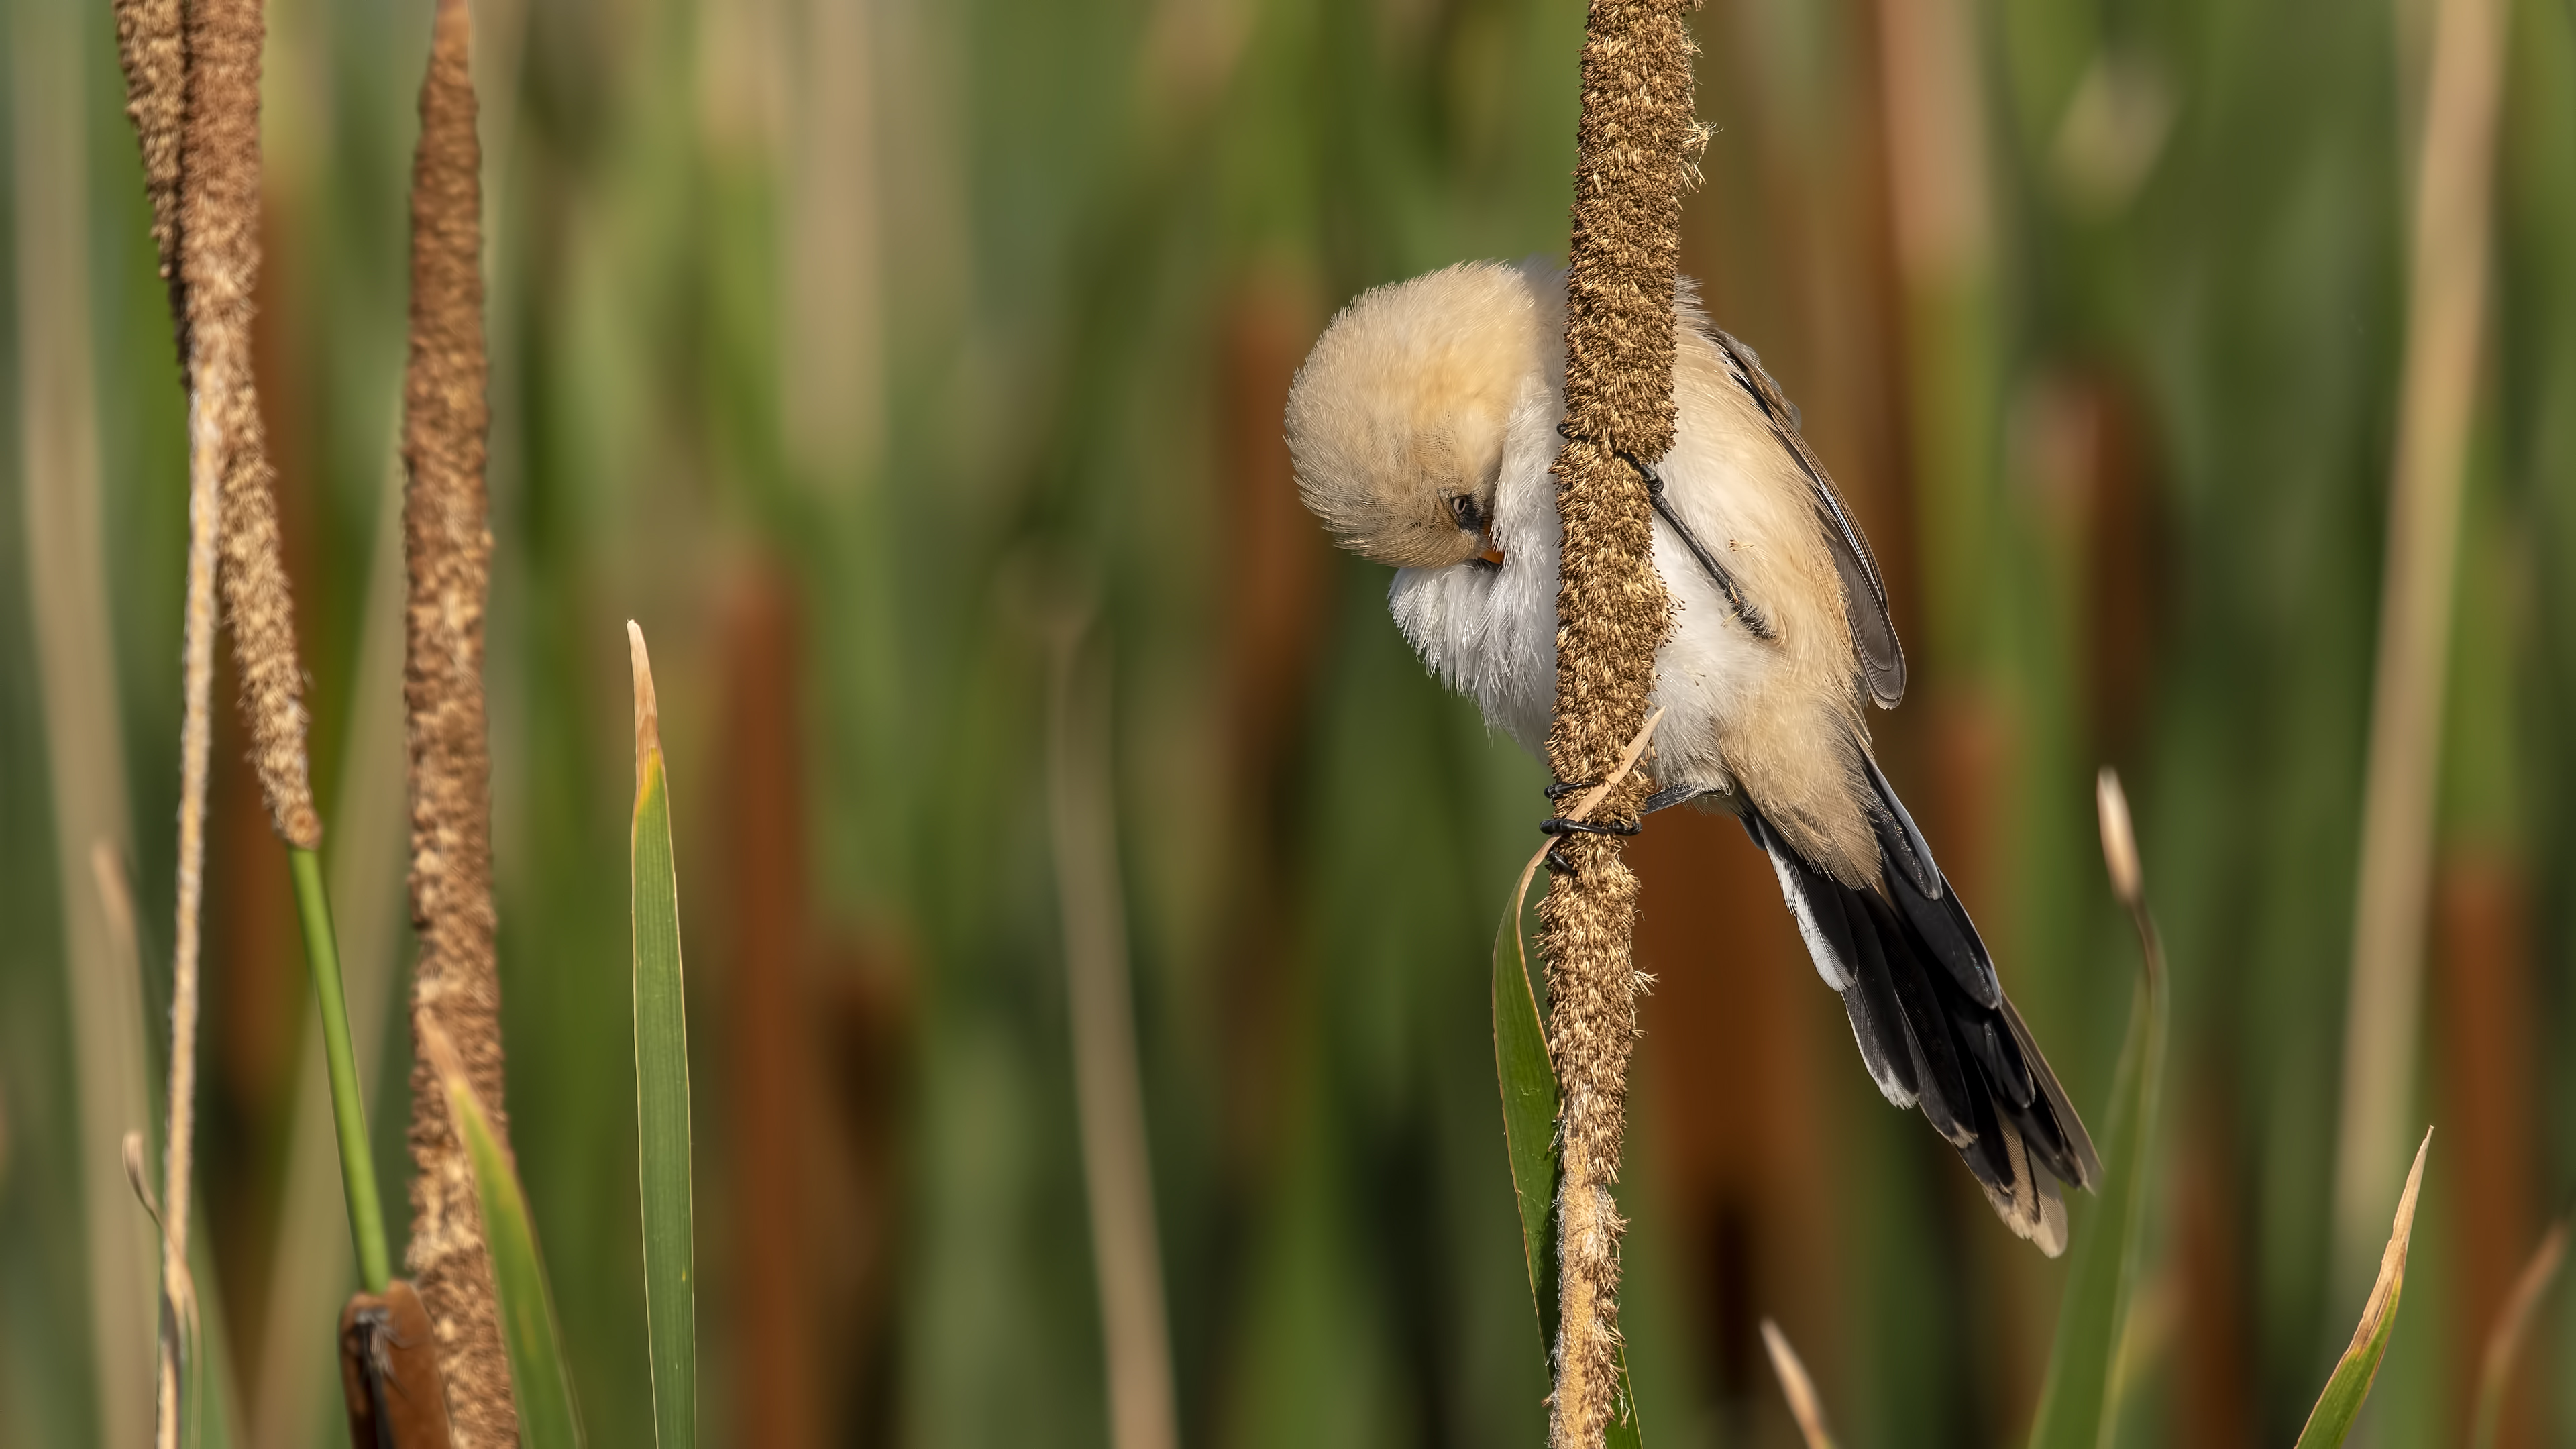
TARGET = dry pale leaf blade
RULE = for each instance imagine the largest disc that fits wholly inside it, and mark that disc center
(2341, 1402)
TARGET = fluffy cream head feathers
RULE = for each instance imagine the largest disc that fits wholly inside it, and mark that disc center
(1396, 421)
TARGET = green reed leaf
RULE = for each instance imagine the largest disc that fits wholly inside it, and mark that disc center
(539, 1380)
(662, 1083)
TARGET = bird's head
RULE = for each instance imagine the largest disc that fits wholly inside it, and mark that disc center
(1396, 421)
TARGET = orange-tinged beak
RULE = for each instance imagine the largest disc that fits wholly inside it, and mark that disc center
(1492, 556)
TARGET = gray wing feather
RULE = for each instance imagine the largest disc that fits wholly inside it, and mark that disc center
(1882, 658)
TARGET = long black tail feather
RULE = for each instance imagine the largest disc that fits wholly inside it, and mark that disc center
(1932, 1021)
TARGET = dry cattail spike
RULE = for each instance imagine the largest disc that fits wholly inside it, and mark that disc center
(1631, 171)
(447, 549)
(150, 45)
(218, 244)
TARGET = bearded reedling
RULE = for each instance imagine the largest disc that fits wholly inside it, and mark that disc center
(1424, 425)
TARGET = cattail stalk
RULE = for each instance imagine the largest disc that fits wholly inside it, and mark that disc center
(1632, 168)
(447, 546)
(192, 89)
(2445, 302)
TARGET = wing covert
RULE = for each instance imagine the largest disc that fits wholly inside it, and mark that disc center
(1882, 658)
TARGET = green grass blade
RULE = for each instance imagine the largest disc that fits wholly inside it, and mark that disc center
(662, 1083)
(2349, 1385)
(2077, 1405)
(1529, 1111)
(348, 1110)
(540, 1383)
(2076, 1408)
(1528, 1083)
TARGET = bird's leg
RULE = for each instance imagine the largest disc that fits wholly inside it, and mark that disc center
(1663, 799)
(1669, 797)
(1752, 618)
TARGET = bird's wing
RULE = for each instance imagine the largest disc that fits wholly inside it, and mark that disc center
(1882, 658)
(1935, 1036)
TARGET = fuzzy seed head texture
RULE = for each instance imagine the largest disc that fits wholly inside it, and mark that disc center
(1632, 169)
(152, 47)
(218, 247)
(447, 549)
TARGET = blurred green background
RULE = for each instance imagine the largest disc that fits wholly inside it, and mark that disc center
(855, 346)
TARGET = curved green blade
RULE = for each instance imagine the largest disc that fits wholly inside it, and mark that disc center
(2349, 1385)
(539, 1381)
(1529, 1112)
(2076, 1404)
(2079, 1400)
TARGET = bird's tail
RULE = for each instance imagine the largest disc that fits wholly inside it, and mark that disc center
(1932, 1021)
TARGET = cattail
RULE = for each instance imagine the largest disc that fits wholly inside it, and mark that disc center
(1631, 170)
(447, 548)
(218, 229)
(154, 52)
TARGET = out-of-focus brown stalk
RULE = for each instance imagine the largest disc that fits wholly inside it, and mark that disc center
(1631, 170)
(447, 548)
(2445, 301)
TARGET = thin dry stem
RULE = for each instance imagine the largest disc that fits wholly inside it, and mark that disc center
(1631, 172)
(2446, 295)
(447, 545)
(196, 734)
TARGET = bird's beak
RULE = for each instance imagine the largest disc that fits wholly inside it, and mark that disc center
(1492, 554)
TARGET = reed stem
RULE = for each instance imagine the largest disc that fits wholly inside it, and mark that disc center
(348, 1108)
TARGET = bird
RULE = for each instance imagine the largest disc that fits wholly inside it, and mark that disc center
(1422, 428)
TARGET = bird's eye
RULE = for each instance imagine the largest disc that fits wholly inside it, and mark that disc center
(1468, 515)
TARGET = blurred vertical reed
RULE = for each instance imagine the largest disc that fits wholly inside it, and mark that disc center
(2505, 1339)
(67, 591)
(2446, 300)
(1109, 1093)
(456, 989)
